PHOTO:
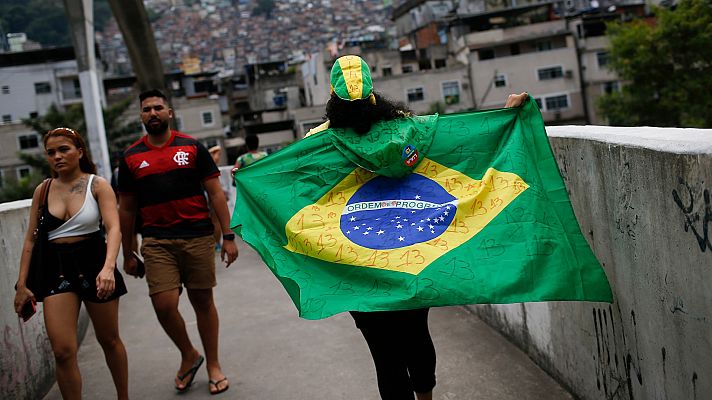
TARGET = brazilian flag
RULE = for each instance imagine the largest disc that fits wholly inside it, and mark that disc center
(421, 211)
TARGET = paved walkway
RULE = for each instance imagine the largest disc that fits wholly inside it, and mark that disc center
(271, 354)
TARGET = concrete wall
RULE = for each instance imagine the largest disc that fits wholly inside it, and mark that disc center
(642, 198)
(26, 360)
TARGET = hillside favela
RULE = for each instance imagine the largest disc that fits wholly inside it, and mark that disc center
(459, 199)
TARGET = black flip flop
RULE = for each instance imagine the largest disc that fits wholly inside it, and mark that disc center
(215, 383)
(192, 371)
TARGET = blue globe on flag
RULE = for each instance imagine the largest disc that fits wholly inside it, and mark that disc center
(387, 213)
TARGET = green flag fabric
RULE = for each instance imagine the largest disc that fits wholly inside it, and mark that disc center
(420, 212)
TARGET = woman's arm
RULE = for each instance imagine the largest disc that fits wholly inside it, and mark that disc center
(110, 215)
(22, 293)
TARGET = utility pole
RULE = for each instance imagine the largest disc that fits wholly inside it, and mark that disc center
(81, 17)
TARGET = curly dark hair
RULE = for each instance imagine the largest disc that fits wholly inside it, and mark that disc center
(361, 114)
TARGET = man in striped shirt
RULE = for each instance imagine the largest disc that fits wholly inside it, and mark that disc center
(164, 176)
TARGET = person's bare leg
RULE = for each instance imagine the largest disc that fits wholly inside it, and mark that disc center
(208, 326)
(105, 318)
(61, 312)
(165, 304)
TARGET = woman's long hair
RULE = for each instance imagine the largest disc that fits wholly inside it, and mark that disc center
(86, 165)
(361, 114)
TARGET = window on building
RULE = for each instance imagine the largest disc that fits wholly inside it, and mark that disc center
(33, 114)
(27, 142)
(415, 94)
(538, 102)
(279, 99)
(611, 87)
(559, 102)
(6, 119)
(485, 54)
(602, 57)
(5, 89)
(544, 45)
(407, 69)
(451, 92)
(207, 117)
(77, 89)
(387, 71)
(500, 80)
(205, 86)
(70, 89)
(23, 172)
(440, 63)
(42, 87)
(514, 49)
(550, 73)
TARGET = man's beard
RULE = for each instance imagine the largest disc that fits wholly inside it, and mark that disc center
(160, 129)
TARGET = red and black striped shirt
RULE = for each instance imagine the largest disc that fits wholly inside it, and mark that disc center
(168, 184)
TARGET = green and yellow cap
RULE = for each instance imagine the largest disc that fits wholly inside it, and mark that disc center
(351, 79)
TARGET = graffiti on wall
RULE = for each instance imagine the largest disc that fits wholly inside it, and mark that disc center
(698, 214)
(618, 361)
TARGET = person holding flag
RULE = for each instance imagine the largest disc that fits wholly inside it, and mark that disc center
(399, 341)
(385, 214)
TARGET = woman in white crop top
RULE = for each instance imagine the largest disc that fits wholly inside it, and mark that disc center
(81, 264)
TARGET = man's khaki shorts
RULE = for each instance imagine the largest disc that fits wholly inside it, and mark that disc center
(172, 262)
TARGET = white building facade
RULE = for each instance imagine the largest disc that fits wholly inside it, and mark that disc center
(30, 82)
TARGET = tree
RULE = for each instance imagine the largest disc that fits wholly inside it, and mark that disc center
(45, 21)
(666, 67)
(20, 189)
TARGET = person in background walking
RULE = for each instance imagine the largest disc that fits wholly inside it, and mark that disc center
(81, 264)
(253, 143)
(215, 153)
(164, 175)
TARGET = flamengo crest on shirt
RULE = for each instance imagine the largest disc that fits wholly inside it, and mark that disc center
(181, 157)
(370, 221)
